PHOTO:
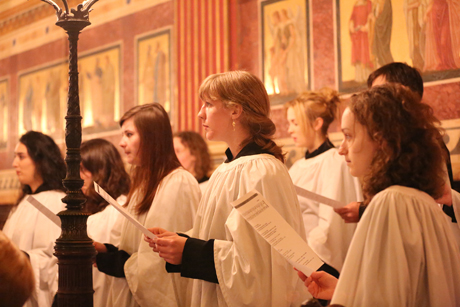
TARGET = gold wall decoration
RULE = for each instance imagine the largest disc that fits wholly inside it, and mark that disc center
(154, 69)
(285, 48)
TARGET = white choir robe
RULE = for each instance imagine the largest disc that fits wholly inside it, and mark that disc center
(403, 254)
(147, 283)
(104, 227)
(326, 174)
(35, 234)
(250, 272)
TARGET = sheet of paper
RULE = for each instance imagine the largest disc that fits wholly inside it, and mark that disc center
(123, 211)
(319, 198)
(47, 212)
(277, 232)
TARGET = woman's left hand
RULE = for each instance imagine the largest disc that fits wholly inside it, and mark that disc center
(320, 284)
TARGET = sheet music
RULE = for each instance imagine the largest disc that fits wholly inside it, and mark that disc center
(123, 211)
(44, 210)
(319, 198)
(277, 232)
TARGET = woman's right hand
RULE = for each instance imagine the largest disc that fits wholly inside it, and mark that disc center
(168, 245)
(349, 213)
(320, 284)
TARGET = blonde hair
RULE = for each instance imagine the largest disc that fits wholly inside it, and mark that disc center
(309, 106)
(16, 275)
(244, 89)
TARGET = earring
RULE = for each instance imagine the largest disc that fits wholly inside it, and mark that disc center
(233, 124)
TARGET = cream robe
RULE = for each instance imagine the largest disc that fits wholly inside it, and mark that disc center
(147, 283)
(104, 227)
(250, 272)
(326, 174)
(403, 254)
(35, 234)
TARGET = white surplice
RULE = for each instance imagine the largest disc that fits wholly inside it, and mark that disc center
(147, 283)
(403, 254)
(249, 270)
(104, 227)
(35, 234)
(326, 174)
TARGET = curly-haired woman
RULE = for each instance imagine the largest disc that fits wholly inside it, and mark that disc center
(401, 253)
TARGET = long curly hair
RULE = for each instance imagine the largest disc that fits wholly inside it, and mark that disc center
(156, 152)
(104, 162)
(405, 130)
(245, 89)
(48, 160)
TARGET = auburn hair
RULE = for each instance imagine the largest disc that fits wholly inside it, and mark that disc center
(156, 153)
(405, 130)
(244, 89)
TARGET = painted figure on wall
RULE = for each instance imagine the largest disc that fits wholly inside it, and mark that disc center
(32, 106)
(287, 67)
(359, 26)
(95, 81)
(108, 93)
(415, 12)
(438, 48)
(3, 118)
(53, 103)
(277, 69)
(382, 20)
(154, 78)
(292, 42)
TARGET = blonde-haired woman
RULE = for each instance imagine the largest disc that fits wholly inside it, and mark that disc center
(324, 172)
(231, 264)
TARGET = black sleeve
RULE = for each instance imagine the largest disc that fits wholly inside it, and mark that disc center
(449, 210)
(361, 210)
(112, 263)
(197, 261)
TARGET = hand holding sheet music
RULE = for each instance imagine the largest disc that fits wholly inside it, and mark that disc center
(277, 232)
(123, 211)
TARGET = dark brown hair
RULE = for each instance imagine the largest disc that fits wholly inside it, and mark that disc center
(246, 90)
(47, 157)
(156, 152)
(199, 149)
(104, 162)
(408, 141)
(401, 73)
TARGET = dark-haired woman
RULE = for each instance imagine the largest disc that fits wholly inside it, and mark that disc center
(101, 163)
(193, 153)
(402, 253)
(231, 264)
(162, 193)
(40, 168)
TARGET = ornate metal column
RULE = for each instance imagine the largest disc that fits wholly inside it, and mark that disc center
(74, 249)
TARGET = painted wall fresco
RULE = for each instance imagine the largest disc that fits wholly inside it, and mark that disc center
(154, 69)
(285, 52)
(371, 33)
